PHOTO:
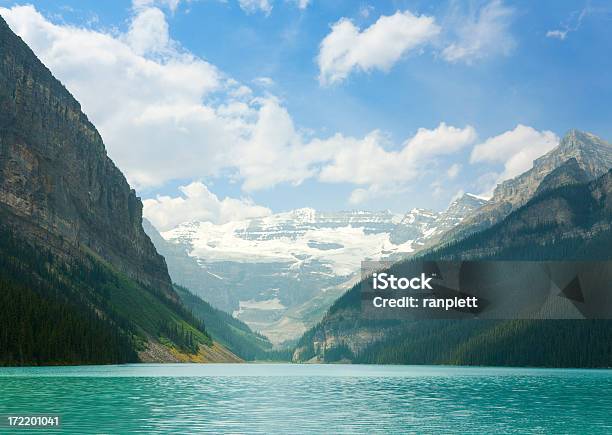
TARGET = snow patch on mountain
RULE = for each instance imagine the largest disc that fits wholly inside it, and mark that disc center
(338, 240)
(281, 272)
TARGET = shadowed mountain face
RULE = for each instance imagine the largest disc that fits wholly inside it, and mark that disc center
(568, 174)
(280, 273)
(566, 219)
(593, 157)
(55, 176)
(568, 213)
(80, 281)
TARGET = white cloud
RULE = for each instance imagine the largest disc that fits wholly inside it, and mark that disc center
(252, 6)
(265, 6)
(515, 149)
(453, 171)
(274, 152)
(457, 195)
(559, 34)
(263, 81)
(148, 32)
(199, 203)
(166, 114)
(367, 162)
(366, 10)
(572, 25)
(380, 46)
(482, 34)
(437, 189)
(170, 4)
(359, 195)
(147, 97)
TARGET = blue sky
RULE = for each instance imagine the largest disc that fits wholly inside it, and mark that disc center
(480, 67)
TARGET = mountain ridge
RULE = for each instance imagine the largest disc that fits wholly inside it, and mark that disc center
(593, 155)
(564, 222)
(81, 282)
(60, 179)
(280, 273)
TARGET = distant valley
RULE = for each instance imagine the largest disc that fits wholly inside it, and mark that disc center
(80, 281)
(560, 210)
(281, 273)
(84, 279)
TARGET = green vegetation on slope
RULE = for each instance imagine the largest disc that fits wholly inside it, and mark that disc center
(550, 343)
(231, 332)
(73, 310)
(523, 235)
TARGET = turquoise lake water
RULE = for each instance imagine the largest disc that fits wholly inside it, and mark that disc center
(289, 399)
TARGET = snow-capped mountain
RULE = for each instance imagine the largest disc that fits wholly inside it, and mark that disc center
(421, 227)
(280, 273)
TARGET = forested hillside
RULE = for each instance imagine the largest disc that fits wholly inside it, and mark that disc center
(570, 222)
(80, 311)
(80, 281)
(231, 332)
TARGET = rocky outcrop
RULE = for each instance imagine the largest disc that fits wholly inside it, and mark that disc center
(562, 210)
(57, 184)
(568, 174)
(425, 227)
(593, 157)
(565, 221)
(413, 226)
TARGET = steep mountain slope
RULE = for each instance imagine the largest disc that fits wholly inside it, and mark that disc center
(56, 176)
(592, 154)
(569, 173)
(569, 222)
(71, 239)
(432, 226)
(279, 274)
(564, 216)
(274, 273)
(229, 331)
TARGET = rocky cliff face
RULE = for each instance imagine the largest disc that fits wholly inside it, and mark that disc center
(280, 273)
(569, 173)
(566, 221)
(424, 228)
(57, 184)
(563, 209)
(593, 157)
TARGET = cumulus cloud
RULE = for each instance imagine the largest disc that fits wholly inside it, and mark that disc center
(167, 127)
(199, 203)
(380, 46)
(274, 152)
(147, 97)
(482, 34)
(368, 162)
(148, 32)
(516, 149)
(252, 6)
(466, 37)
(166, 114)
